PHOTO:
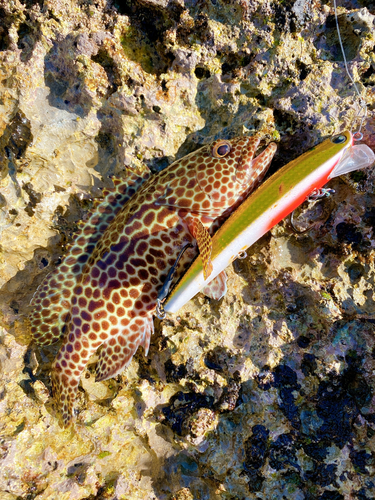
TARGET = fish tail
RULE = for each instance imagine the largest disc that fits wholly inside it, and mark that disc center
(67, 368)
(64, 392)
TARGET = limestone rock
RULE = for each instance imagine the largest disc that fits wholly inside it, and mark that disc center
(268, 393)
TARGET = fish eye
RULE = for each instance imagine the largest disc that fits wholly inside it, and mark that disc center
(221, 149)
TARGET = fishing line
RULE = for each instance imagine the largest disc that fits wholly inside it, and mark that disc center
(357, 136)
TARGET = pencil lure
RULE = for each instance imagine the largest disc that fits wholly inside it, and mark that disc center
(277, 197)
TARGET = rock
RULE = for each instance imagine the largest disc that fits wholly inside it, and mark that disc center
(268, 393)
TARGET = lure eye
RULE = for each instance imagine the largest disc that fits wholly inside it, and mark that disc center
(339, 139)
(221, 149)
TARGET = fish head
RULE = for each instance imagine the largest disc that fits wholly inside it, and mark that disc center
(227, 169)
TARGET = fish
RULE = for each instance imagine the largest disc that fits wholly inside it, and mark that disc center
(103, 295)
(266, 206)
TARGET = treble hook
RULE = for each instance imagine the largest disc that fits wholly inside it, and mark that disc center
(164, 291)
(316, 194)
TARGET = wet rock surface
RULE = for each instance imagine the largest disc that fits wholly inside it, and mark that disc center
(268, 393)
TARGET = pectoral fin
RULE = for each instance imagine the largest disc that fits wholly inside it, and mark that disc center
(217, 288)
(204, 241)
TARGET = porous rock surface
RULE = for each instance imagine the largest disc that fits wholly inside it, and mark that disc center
(268, 393)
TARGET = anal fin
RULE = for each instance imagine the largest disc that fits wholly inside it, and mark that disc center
(116, 354)
(217, 288)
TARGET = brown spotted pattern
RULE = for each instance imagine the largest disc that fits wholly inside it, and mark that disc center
(104, 293)
(51, 303)
(216, 288)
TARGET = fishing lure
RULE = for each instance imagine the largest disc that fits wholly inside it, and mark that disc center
(103, 294)
(277, 197)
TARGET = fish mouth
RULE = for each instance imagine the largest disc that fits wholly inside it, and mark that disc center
(250, 150)
(254, 166)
